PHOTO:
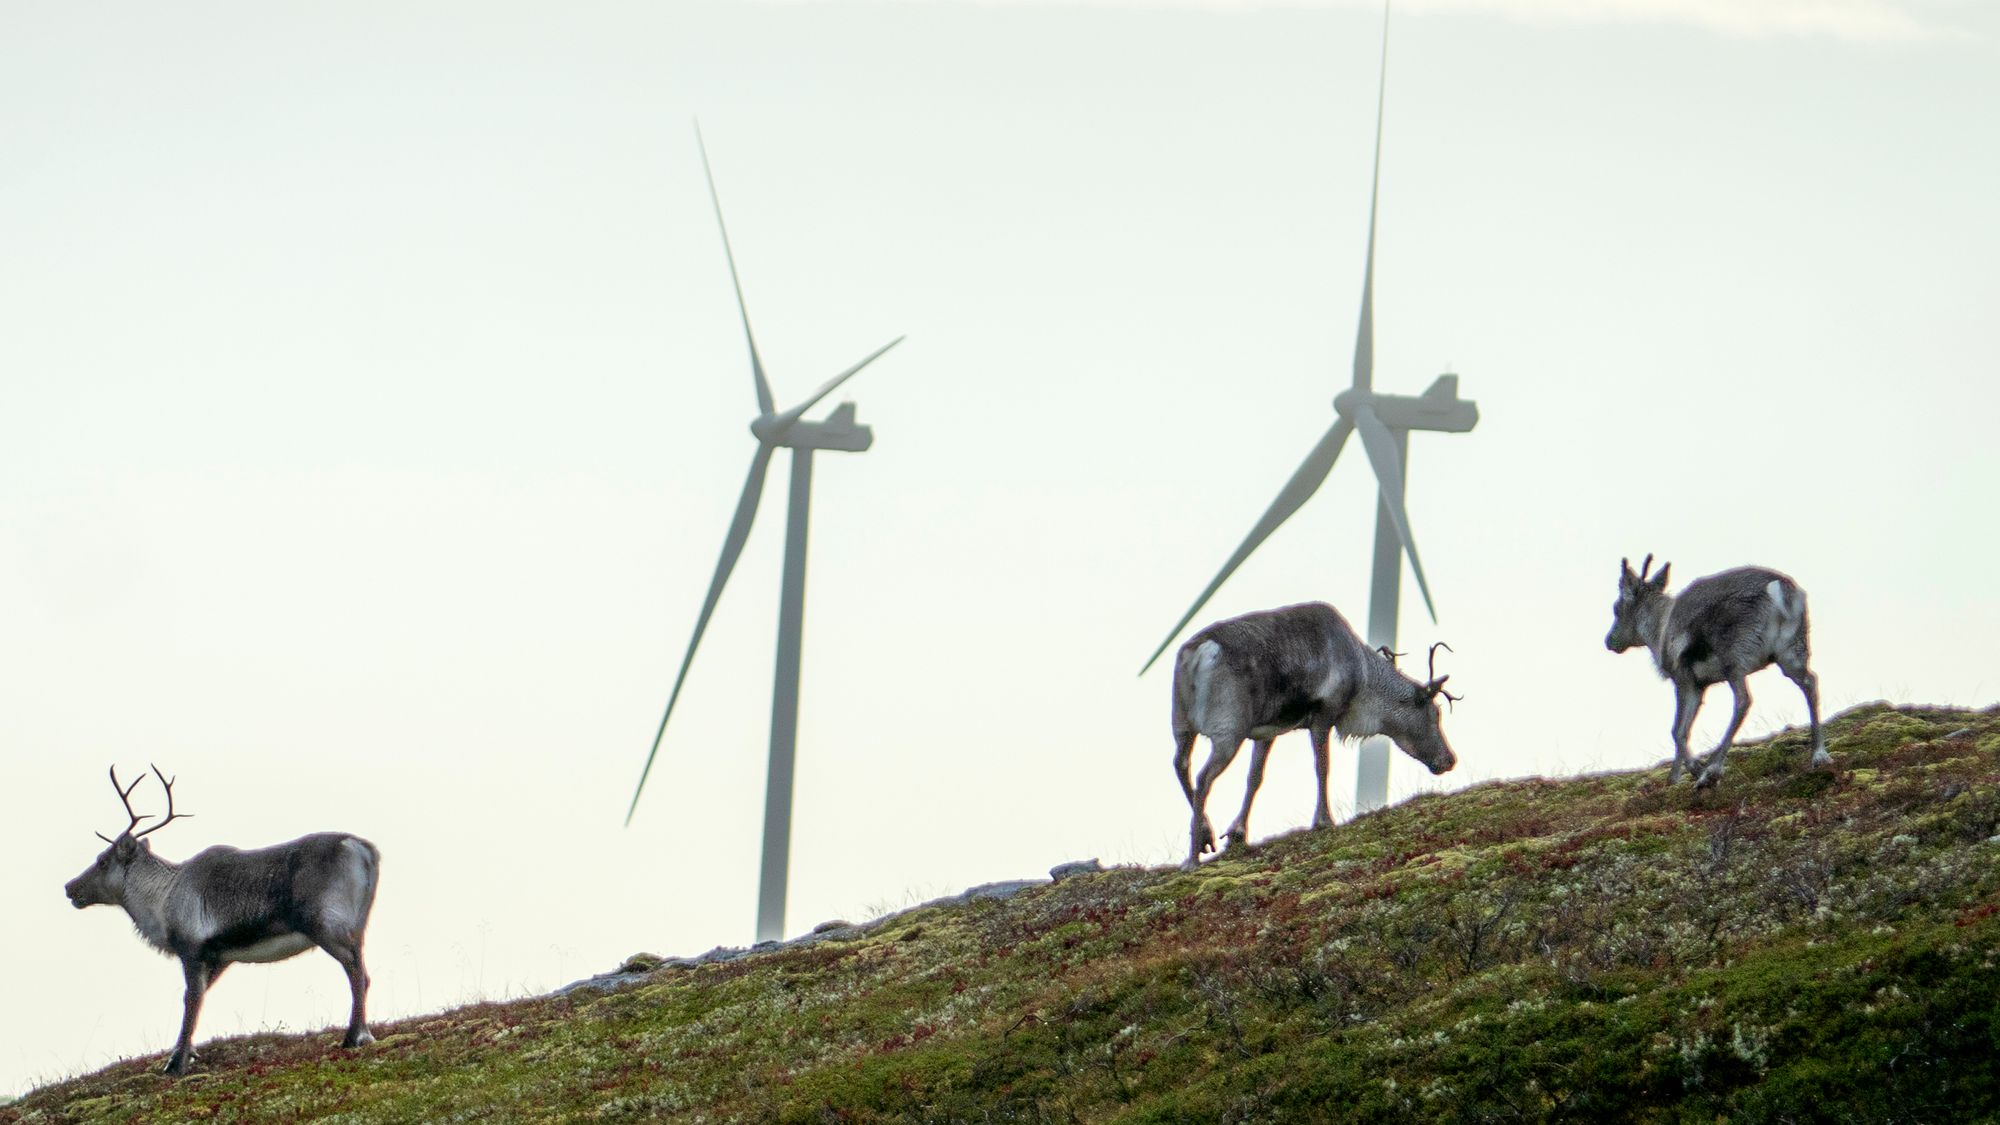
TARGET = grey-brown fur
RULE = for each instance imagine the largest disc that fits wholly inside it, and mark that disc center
(227, 905)
(1296, 668)
(1720, 629)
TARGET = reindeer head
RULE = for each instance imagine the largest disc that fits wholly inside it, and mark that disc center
(1414, 725)
(1635, 593)
(103, 882)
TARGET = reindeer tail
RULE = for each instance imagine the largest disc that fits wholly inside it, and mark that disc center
(1193, 669)
(1791, 605)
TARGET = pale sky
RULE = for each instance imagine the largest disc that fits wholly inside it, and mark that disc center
(376, 404)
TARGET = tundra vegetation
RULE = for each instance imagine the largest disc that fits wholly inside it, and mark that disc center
(1801, 945)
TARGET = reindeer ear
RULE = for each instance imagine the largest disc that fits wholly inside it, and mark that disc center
(1660, 580)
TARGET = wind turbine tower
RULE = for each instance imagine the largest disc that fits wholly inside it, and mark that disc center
(773, 430)
(1384, 422)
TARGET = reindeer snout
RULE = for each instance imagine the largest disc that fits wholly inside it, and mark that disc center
(1445, 764)
(75, 899)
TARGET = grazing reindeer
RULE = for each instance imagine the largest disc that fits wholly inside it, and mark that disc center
(1300, 667)
(1720, 628)
(227, 905)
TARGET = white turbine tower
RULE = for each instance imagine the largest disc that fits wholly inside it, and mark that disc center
(773, 430)
(1384, 422)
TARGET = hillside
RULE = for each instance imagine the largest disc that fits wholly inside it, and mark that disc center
(1795, 946)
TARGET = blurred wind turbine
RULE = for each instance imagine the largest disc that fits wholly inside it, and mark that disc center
(772, 429)
(1384, 422)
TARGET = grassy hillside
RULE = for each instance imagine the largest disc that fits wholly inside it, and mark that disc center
(1796, 946)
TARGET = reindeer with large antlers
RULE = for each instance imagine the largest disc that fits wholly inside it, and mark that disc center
(1297, 668)
(227, 905)
(1720, 629)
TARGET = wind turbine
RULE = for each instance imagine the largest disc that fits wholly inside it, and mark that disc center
(1384, 422)
(773, 430)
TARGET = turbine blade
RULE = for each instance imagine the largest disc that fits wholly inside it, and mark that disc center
(827, 388)
(764, 403)
(1381, 447)
(1364, 338)
(732, 547)
(1305, 481)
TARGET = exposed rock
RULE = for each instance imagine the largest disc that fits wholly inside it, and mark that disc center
(997, 891)
(1063, 871)
(718, 955)
(635, 968)
(602, 982)
(833, 931)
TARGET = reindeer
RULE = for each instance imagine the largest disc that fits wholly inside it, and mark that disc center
(226, 905)
(1299, 667)
(1720, 628)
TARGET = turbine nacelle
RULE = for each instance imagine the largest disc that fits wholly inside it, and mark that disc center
(837, 431)
(1438, 408)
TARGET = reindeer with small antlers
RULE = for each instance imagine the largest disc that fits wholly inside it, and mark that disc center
(1297, 668)
(1719, 629)
(227, 905)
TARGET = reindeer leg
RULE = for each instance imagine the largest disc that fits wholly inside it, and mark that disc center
(1239, 832)
(1183, 757)
(198, 976)
(1795, 670)
(1687, 703)
(1322, 741)
(1201, 838)
(1716, 761)
(347, 951)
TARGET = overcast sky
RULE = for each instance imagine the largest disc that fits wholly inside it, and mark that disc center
(375, 405)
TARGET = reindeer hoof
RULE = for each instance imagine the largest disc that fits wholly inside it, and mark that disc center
(1190, 863)
(362, 1040)
(1708, 778)
(1821, 760)
(176, 1066)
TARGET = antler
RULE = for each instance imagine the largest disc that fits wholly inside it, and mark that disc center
(1390, 656)
(124, 798)
(1645, 566)
(171, 814)
(1437, 682)
(1434, 659)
